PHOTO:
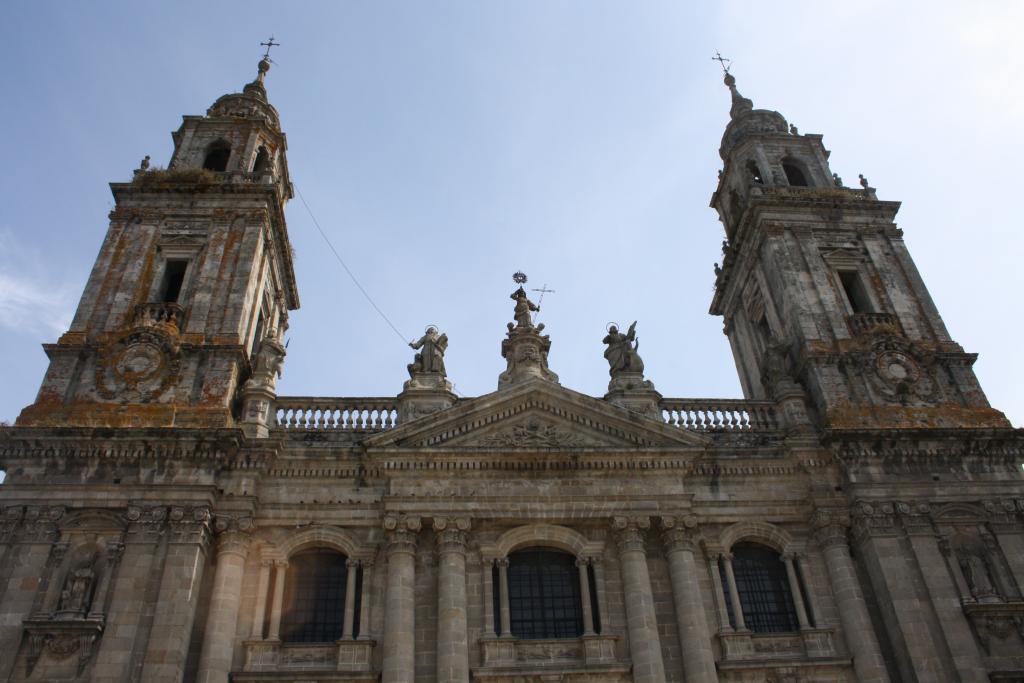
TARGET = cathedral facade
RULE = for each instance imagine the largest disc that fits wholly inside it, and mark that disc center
(167, 516)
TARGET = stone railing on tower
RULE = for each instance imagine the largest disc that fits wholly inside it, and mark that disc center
(159, 313)
(719, 414)
(335, 414)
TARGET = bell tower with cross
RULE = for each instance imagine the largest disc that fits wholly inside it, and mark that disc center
(190, 293)
(820, 298)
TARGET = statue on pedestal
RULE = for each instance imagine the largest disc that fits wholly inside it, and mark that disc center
(431, 358)
(622, 353)
(523, 308)
(76, 595)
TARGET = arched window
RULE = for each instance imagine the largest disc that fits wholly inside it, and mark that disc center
(217, 155)
(262, 163)
(794, 174)
(763, 589)
(754, 172)
(314, 597)
(544, 594)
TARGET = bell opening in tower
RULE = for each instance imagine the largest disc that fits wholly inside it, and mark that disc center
(174, 278)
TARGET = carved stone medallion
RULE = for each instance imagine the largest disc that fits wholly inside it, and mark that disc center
(139, 367)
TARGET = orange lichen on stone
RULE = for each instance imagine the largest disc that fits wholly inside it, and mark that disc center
(92, 414)
(914, 417)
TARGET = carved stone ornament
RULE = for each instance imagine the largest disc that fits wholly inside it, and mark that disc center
(140, 366)
(59, 641)
(534, 433)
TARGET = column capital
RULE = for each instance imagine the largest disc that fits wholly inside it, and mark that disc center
(629, 532)
(830, 526)
(281, 564)
(233, 542)
(451, 534)
(582, 561)
(401, 533)
(501, 562)
(679, 533)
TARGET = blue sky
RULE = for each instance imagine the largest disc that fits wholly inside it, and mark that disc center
(444, 145)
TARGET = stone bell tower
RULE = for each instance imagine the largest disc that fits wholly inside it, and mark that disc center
(820, 294)
(193, 279)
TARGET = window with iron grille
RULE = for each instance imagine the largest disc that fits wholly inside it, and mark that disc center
(763, 587)
(314, 597)
(544, 595)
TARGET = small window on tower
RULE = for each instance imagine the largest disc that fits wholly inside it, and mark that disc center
(174, 278)
(794, 175)
(754, 172)
(217, 156)
(856, 294)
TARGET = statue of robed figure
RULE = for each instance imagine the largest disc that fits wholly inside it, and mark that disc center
(431, 356)
(622, 353)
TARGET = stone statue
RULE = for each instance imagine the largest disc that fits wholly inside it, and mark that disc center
(976, 572)
(77, 592)
(268, 363)
(837, 180)
(863, 181)
(793, 130)
(622, 351)
(144, 166)
(431, 358)
(523, 308)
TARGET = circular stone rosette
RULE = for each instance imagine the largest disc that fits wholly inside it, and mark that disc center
(140, 366)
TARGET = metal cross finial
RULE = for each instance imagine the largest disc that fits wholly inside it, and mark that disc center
(722, 60)
(269, 44)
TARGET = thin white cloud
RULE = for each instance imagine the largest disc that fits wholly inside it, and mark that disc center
(30, 300)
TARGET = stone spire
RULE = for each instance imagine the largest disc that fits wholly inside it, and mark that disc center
(740, 104)
(257, 87)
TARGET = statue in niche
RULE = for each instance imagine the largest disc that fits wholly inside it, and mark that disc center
(523, 308)
(76, 595)
(431, 357)
(976, 571)
(622, 353)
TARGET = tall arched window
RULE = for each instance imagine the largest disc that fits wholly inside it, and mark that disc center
(754, 172)
(217, 155)
(544, 594)
(262, 163)
(763, 589)
(314, 597)
(794, 174)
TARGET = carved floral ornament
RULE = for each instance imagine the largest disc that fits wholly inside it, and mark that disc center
(140, 366)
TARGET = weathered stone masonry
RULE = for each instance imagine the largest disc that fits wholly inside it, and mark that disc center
(166, 516)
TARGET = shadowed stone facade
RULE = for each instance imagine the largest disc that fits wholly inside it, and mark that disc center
(858, 516)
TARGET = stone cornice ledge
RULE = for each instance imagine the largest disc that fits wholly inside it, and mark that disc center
(225, 447)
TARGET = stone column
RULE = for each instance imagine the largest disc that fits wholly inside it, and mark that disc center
(830, 534)
(714, 556)
(734, 595)
(794, 590)
(364, 603)
(694, 639)
(452, 636)
(505, 611)
(222, 619)
(115, 549)
(351, 567)
(181, 578)
(399, 654)
(588, 609)
(644, 643)
(487, 571)
(256, 633)
(597, 563)
(280, 570)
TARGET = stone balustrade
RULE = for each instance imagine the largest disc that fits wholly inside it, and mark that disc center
(336, 414)
(867, 323)
(379, 414)
(719, 414)
(159, 313)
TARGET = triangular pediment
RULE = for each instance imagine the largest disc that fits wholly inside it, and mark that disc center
(535, 416)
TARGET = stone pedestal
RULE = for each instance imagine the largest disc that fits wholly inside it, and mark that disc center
(425, 393)
(526, 351)
(631, 391)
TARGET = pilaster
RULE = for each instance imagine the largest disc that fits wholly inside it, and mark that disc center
(644, 642)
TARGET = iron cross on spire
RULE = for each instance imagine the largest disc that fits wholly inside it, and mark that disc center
(269, 44)
(722, 60)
